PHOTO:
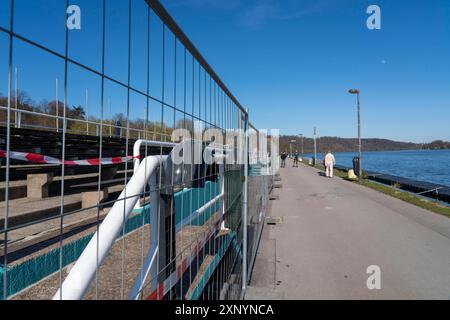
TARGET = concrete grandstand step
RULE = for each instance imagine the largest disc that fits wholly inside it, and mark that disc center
(18, 189)
(22, 211)
(25, 211)
(25, 241)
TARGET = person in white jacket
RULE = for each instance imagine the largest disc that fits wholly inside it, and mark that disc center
(330, 162)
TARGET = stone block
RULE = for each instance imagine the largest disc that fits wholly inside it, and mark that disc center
(38, 185)
(91, 199)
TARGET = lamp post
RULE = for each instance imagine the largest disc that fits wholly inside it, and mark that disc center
(290, 146)
(357, 92)
(315, 145)
(301, 139)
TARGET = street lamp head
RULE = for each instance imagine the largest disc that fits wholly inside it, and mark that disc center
(353, 91)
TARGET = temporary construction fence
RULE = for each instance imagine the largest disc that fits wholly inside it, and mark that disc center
(94, 206)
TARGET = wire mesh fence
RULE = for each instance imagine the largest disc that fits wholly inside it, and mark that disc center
(94, 205)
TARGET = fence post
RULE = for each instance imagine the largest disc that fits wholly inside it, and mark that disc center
(167, 230)
(244, 211)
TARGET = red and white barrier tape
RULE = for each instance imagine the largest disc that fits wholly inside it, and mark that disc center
(164, 287)
(38, 158)
(172, 280)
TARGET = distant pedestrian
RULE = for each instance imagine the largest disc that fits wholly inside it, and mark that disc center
(118, 129)
(330, 162)
(283, 159)
(296, 157)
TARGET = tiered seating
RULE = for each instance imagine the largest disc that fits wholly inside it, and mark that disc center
(77, 147)
(35, 189)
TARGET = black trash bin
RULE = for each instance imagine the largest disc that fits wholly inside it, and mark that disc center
(356, 165)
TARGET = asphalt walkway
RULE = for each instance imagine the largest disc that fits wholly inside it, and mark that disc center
(332, 230)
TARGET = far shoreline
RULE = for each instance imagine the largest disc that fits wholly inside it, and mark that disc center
(370, 151)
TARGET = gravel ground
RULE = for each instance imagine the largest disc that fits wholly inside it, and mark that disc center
(111, 284)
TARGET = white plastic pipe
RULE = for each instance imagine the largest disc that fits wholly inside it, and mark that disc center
(197, 213)
(84, 270)
(150, 266)
(137, 152)
(137, 149)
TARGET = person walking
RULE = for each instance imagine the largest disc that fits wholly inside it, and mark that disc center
(296, 159)
(330, 162)
(283, 159)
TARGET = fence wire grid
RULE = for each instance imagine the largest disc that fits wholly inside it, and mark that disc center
(104, 101)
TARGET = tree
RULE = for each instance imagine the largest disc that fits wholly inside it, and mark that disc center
(119, 117)
(77, 113)
(24, 101)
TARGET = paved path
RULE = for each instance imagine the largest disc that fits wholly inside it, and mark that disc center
(332, 230)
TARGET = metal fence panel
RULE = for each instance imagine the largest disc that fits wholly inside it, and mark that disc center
(73, 107)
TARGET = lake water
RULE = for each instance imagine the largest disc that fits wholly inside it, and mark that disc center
(423, 165)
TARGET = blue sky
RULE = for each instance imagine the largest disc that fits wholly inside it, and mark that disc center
(292, 62)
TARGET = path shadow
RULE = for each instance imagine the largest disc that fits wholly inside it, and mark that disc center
(321, 174)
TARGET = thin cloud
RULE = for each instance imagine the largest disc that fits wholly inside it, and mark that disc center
(255, 13)
(264, 11)
(216, 4)
(259, 13)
